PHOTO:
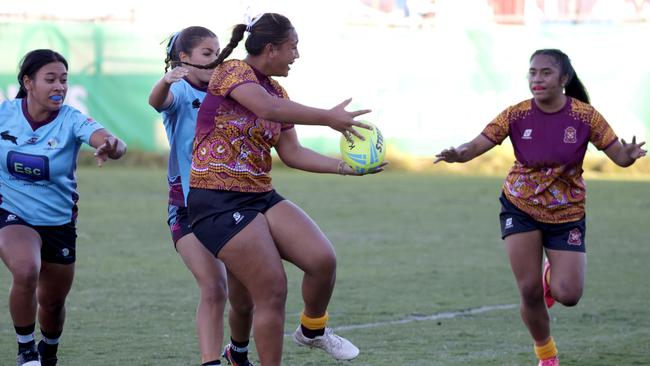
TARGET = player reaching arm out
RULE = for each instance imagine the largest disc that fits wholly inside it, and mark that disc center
(625, 154)
(38, 210)
(234, 209)
(268, 107)
(296, 156)
(543, 196)
(465, 152)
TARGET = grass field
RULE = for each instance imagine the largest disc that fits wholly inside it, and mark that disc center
(409, 246)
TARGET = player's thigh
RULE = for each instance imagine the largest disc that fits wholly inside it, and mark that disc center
(20, 249)
(568, 268)
(251, 256)
(206, 268)
(298, 238)
(525, 250)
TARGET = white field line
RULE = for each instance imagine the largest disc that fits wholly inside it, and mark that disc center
(437, 316)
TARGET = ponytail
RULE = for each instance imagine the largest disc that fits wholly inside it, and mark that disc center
(22, 93)
(171, 54)
(575, 89)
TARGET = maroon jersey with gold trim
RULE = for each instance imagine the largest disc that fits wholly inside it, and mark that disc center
(232, 146)
(546, 179)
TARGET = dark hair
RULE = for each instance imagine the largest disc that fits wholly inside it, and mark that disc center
(269, 28)
(185, 41)
(573, 87)
(32, 62)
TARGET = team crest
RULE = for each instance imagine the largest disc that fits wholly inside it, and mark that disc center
(52, 143)
(575, 237)
(570, 135)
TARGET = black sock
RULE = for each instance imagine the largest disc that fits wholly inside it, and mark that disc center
(47, 350)
(27, 332)
(48, 346)
(312, 333)
(239, 351)
(211, 363)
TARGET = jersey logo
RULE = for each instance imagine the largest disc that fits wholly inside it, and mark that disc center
(28, 167)
(52, 144)
(196, 103)
(528, 134)
(6, 136)
(570, 135)
(575, 237)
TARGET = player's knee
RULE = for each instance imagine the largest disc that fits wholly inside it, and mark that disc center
(243, 307)
(323, 266)
(532, 294)
(215, 294)
(25, 277)
(52, 307)
(567, 295)
(275, 296)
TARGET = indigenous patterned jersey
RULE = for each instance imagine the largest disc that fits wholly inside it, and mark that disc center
(232, 146)
(546, 180)
(180, 122)
(38, 162)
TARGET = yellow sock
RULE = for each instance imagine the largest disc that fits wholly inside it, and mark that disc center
(547, 350)
(313, 323)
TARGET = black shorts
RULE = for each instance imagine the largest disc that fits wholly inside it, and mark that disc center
(569, 236)
(58, 242)
(217, 216)
(178, 221)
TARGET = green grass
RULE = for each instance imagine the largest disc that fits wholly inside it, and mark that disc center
(407, 245)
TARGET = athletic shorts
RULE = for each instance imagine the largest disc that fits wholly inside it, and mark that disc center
(569, 236)
(178, 221)
(58, 242)
(217, 215)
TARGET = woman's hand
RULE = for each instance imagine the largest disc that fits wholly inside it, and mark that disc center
(451, 155)
(112, 148)
(175, 74)
(343, 121)
(634, 150)
(625, 154)
(345, 169)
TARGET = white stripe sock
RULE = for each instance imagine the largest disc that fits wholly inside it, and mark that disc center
(50, 341)
(25, 338)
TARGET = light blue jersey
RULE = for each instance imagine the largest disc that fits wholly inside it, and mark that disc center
(38, 162)
(180, 122)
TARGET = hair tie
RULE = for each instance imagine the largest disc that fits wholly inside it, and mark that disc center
(170, 46)
(250, 21)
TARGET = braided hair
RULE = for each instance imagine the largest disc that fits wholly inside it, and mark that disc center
(269, 28)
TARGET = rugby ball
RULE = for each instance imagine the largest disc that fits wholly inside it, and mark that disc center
(364, 155)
